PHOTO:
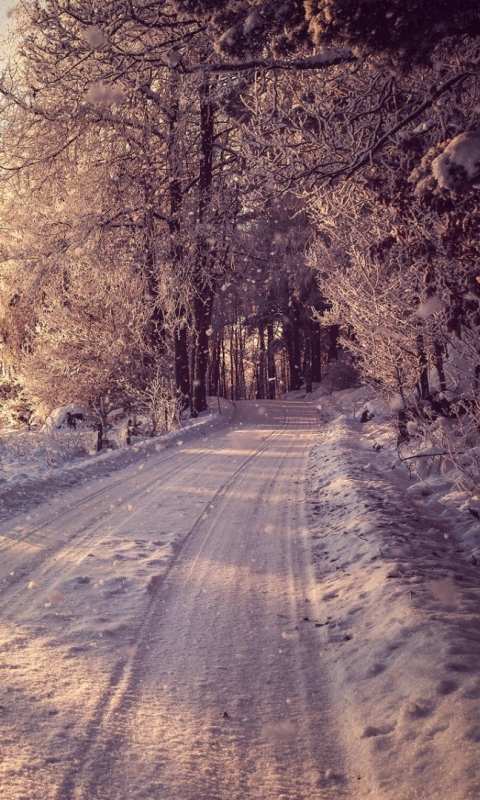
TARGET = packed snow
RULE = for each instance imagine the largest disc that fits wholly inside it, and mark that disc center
(267, 603)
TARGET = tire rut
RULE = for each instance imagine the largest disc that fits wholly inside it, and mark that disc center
(220, 700)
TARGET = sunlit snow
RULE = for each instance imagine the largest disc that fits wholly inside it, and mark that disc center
(277, 608)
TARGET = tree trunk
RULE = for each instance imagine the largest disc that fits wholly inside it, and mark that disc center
(232, 365)
(182, 372)
(440, 367)
(202, 316)
(203, 284)
(271, 369)
(307, 359)
(236, 361)
(422, 359)
(241, 352)
(315, 334)
(155, 332)
(214, 371)
(292, 332)
(180, 336)
(334, 332)
(224, 368)
(260, 392)
(285, 375)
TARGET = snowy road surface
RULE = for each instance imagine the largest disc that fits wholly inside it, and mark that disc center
(128, 675)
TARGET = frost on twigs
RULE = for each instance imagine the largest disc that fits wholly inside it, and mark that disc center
(160, 401)
(100, 93)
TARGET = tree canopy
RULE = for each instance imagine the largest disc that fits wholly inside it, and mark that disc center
(406, 29)
(205, 197)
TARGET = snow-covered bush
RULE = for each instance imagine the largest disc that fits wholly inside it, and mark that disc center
(53, 447)
(160, 403)
(458, 166)
(399, 263)
(15, 409)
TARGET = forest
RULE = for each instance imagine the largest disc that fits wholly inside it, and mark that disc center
(221, 198)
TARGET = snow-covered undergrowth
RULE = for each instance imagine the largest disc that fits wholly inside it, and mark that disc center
(37, 464)
(397, 589)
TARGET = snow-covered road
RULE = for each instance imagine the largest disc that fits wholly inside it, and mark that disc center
(126, 674)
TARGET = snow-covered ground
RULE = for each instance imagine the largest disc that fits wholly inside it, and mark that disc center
(398, 587)
(266, 604)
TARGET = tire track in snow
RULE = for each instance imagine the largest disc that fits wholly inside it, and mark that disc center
(44, 537)
(6, 544)
(123, 668)
(25, 495)
(223, 633)
(51, 547)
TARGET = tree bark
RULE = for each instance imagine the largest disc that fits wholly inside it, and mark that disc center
(316, 350)
(333, 343)
(260, 392)
(180, 336)
(202, 315)
(214, 370)
(292, 334)
(182, 372)
(440, 367)
(271, 368)
(307, 359)
(203, 282)
(422, 359)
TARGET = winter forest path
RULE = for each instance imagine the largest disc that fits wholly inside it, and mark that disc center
(204, 684)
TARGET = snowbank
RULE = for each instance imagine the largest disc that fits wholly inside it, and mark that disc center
(396, 605)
